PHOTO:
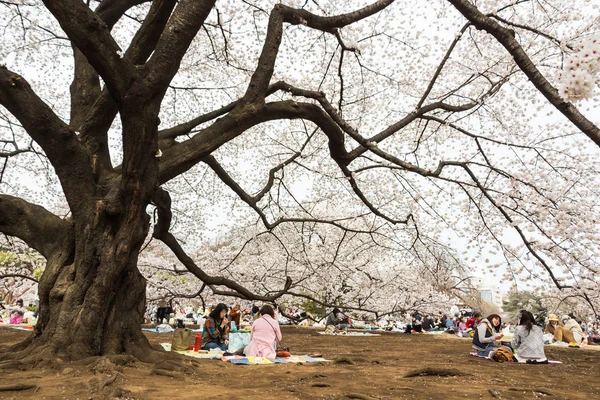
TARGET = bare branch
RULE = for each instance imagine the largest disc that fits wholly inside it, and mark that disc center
(33, 224)
(506, 37)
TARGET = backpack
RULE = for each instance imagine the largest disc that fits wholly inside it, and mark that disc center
(502, 354)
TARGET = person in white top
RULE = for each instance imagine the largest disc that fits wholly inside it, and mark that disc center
(528, 340)
(572, 325)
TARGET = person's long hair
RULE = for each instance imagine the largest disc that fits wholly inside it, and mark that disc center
(492, 316)
(268, 310)
(526, 319)
(215, 314)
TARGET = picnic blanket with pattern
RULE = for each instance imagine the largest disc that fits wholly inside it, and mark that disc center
(474, 354)
(349, 334)
(252, 360)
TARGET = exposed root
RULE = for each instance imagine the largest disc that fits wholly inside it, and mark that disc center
(357, 396)
(429, 371)
(343, 360)
(108, 381)
(118, 393)
(16, 388)
(105, 366)
(534, 390)
(163, 372)
(11, 365)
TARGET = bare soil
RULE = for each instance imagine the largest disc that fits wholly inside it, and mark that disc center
(361, 368)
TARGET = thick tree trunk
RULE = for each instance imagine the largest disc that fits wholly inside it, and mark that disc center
(92, 299)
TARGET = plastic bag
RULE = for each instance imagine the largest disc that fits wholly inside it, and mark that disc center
(238, 341)
(182, 339)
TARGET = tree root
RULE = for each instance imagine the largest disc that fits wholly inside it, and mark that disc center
(429, 371)
(343, 360)
(163, 372)
(108, 381)
(357, 396)
(17, 387)
(535, 390)
(11, 365)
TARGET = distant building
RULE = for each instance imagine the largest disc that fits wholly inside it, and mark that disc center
(492, 295)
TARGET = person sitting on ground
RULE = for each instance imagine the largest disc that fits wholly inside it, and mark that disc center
(427, 323)
(559, 332)
(474, 320)
(572, 325)
(215, 334)
(17, 313)
(593, 333)
(235, 315)
(462, 327)
(336, 319)
(265, 333)
(528, 339)
(417, 325)
(486, 335)
(450, 327)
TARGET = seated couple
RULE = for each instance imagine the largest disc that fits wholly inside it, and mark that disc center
(568, 331)
(528, 340)
(265, 333)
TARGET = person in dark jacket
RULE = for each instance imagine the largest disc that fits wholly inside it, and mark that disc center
(487, 334)
(337, 319)
(427, 323)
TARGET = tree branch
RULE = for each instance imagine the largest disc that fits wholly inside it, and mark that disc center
(36, 226)
(506, 37)
(162, 200)
(92, 36)
(66, 154)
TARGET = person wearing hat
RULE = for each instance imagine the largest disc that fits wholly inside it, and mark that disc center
(561, 334)
(335, 319)
(572, 325)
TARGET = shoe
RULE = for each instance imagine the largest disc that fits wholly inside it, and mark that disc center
(574, 344)
(537, 361)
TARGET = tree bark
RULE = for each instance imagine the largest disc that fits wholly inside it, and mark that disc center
(92, 296)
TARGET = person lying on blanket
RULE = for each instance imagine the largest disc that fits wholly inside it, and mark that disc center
(528, 340)
(215, 334)
(486, 335)
(265, 332)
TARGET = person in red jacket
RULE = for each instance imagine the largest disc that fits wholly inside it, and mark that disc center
(474, 320)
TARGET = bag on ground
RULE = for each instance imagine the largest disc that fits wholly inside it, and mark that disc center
(182, 339)
(502, 354)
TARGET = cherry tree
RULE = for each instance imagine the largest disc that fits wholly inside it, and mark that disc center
(347, 143)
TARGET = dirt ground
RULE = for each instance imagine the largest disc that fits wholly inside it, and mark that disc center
(362, 368)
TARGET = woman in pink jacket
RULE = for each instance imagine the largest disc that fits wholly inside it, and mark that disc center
(265, 332)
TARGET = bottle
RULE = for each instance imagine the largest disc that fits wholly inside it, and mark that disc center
(198, 342)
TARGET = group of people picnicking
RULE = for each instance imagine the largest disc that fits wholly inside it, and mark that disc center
(528, 339)
(16, 314)
(265, 331)
(525, 345)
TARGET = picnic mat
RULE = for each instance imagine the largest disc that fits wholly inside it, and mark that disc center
(474, 354)
(265, 361)
(215, 355)
(21, 327)
(349, 334)
(155, 330)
